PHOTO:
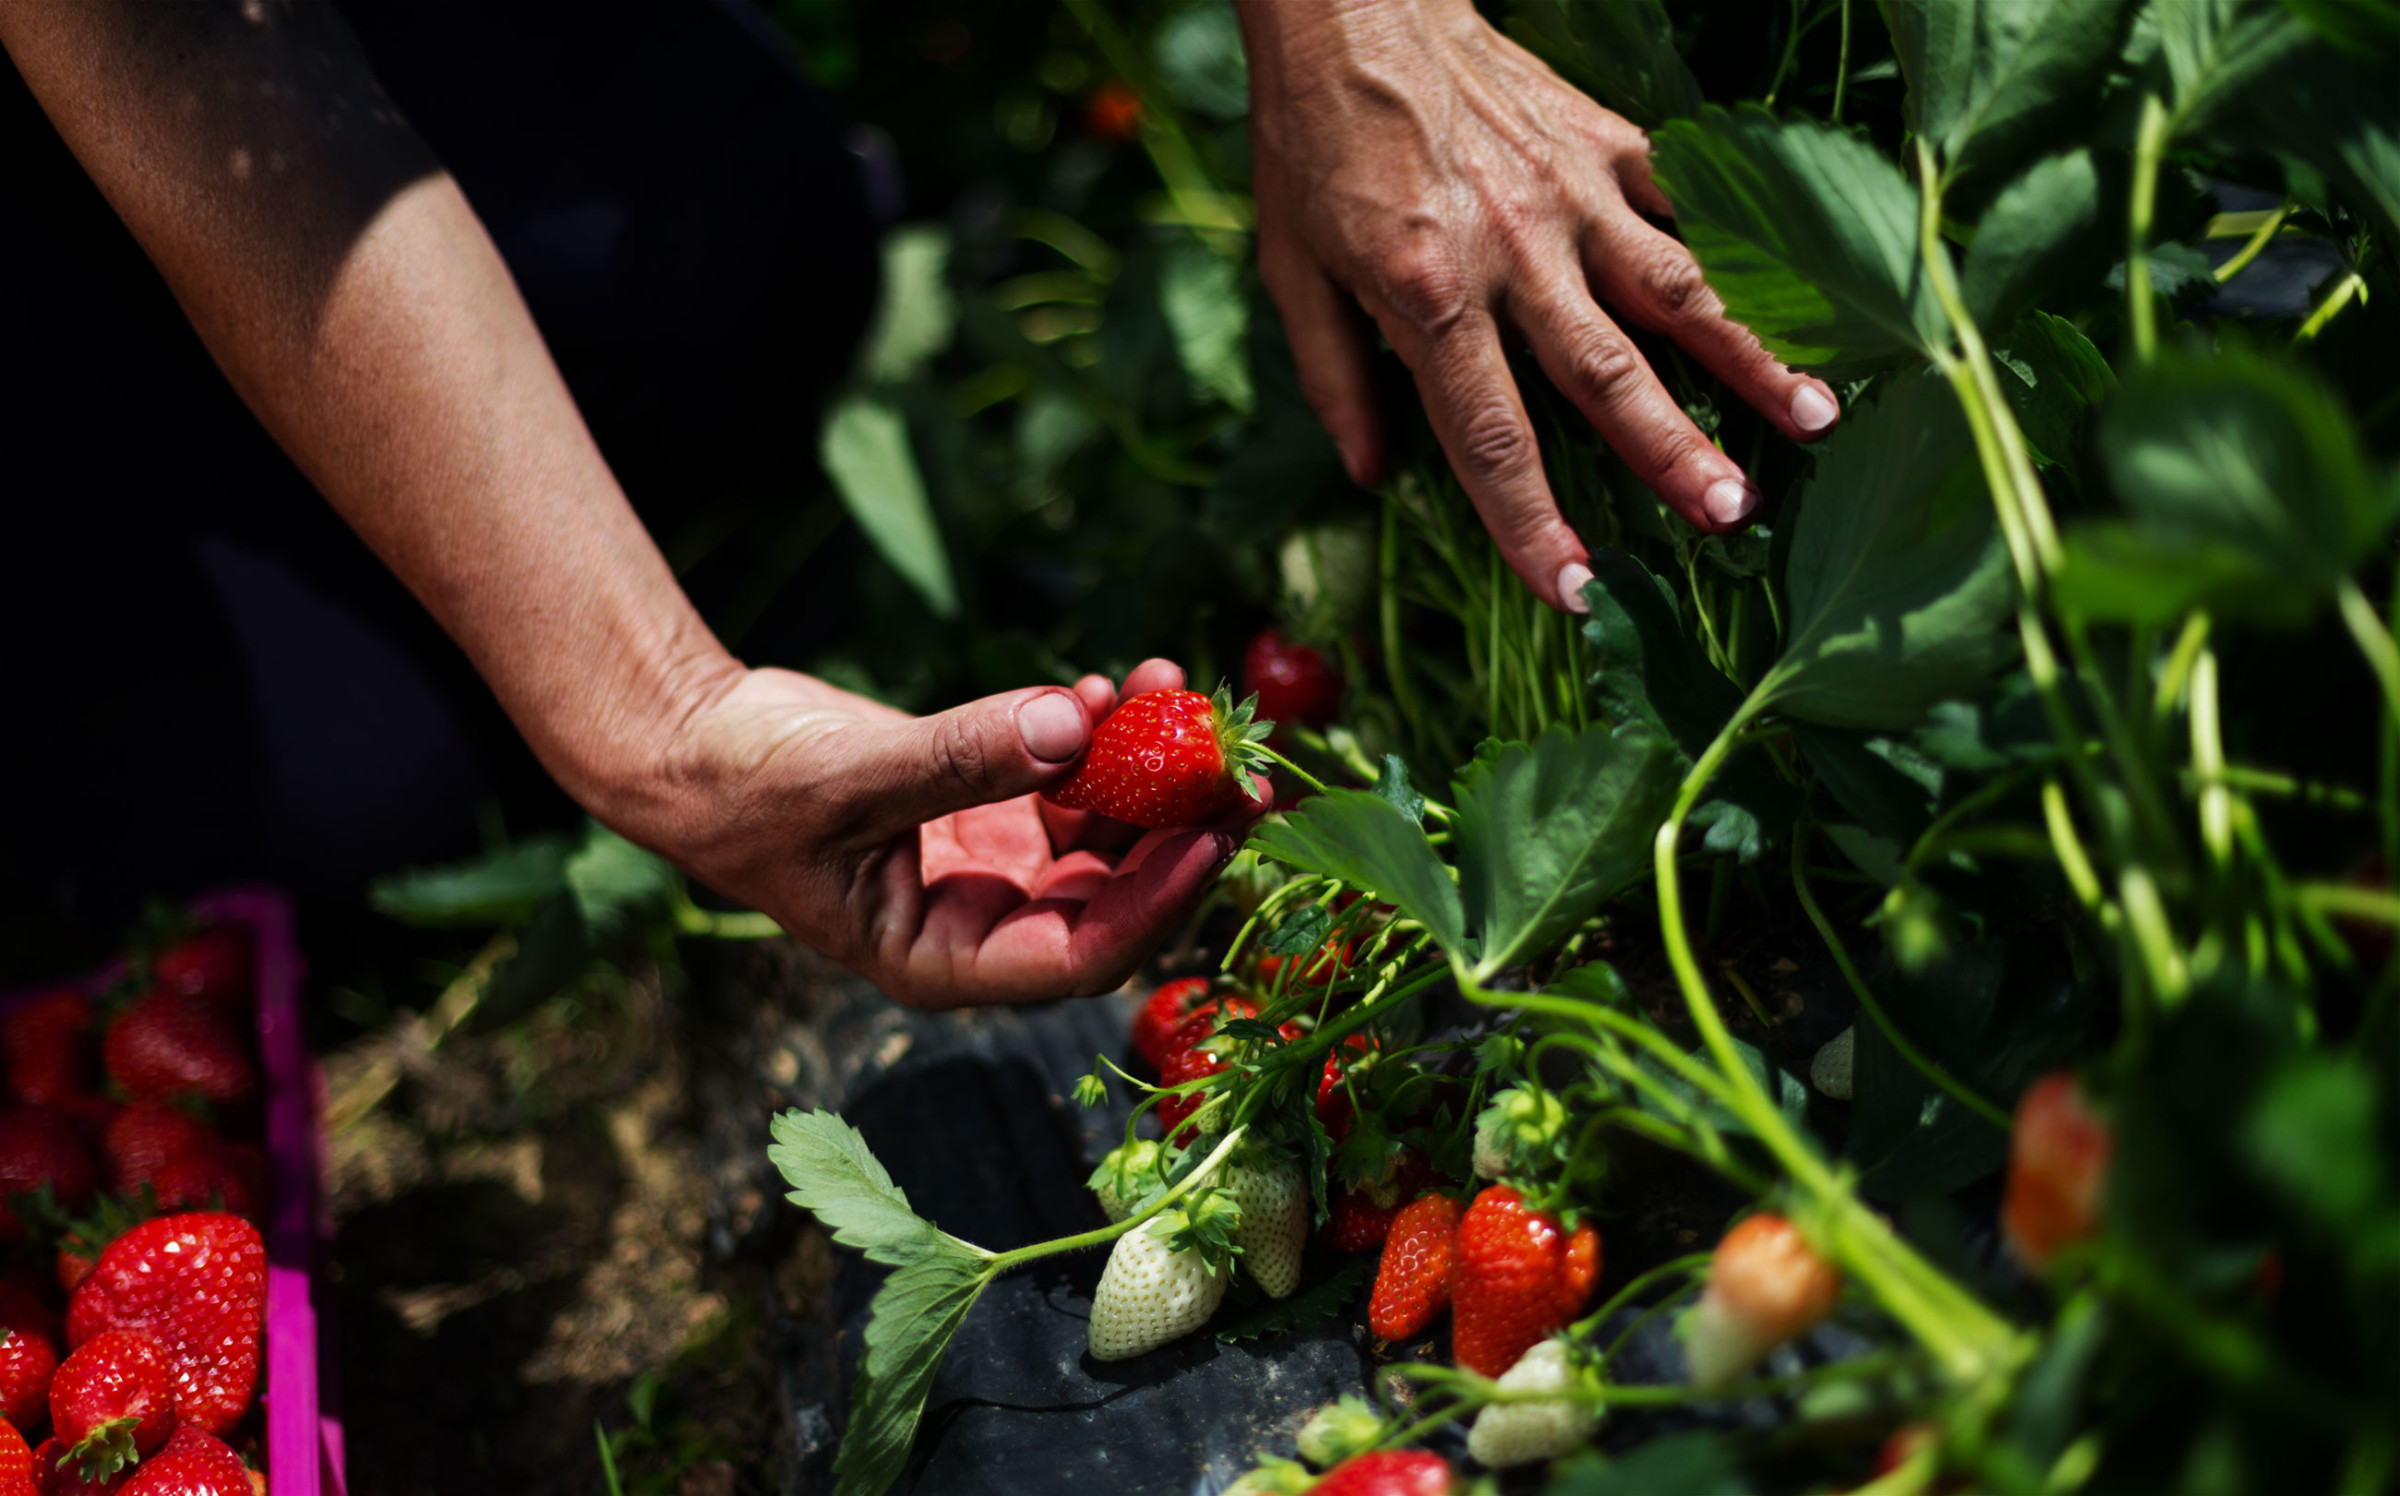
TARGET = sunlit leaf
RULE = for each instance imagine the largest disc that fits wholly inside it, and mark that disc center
(1809, 234)
(1621, 52)
(1990, 81)
(915, 314)
(613, 880)
(2039, 234)
(1365, 841)
(1201, 294)
(503, 888)
(865, 451)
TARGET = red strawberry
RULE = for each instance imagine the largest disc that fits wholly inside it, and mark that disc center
(197, 1284)
(1330, 963)
(168, 1045)
(16, 1463)
(1163, 1012)
(1387, 1472)
(191, 1464)
(214, 964)
(1167, 758)
(2057, 1170)
(1189, 1063)
(55, 1475)
(81, 1244)
(28, 1355)
(1114, 111)
(202, 1181)
(39, 1146)
(1412, 1283)
(112, 1402)
(1361, 1214)
(1292, 682)
(1519, 1276)
(1204, 1020)
(48, 1040)
(1334, 1107)
(147, 1137)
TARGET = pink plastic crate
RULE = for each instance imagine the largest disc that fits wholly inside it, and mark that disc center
(304, 1434)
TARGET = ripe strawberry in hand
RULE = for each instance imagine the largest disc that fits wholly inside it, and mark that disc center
(48, 1041)
(168, 1046)
(2058, 1156)
(1766, 1284)
(214, 964)
(112, 1402)
(1519, 1277)
(196, 1284)
(1412, 1283)
(1167, 758)
(191, 1464)
(1291, 682)
(1387, 1472)
(1163, 1012)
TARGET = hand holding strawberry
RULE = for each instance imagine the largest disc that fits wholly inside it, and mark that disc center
(1168, 758)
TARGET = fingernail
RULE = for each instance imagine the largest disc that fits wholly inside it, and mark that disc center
(1571, 578)
(1730, 500)
(1052, 726)
(1813, 410)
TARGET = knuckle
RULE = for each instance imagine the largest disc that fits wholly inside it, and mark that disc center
(1676, 288)
(1424, 282)
(959, 754)
(1493, 441)
(1600, 368)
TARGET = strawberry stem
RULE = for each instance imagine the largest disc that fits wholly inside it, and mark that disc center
(1312, 780)
(1001, 1262)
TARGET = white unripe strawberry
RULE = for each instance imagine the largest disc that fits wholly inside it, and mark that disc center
(1155, 1288)
(1766, 1285)
(1129, 1172)
(1836, 1063)
(1274, 1227)
(1518, 1134)
(1508, 1434)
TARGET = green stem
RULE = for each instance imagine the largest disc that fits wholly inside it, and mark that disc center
(2256, 245)
(1924, 1063)
(1001, 1262)
(2344, 291)
(1680, 1267)
(691, 919)
(2208, 762)
(1311, 780)
(2374, 641)
(1841, 67)
(2141, 305)
(2178, 672)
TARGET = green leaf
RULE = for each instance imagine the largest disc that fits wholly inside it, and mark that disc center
(1201, 293)
(2312, 1137)
(1990, 81)
(1393, 785)
(504, 888)
(911, 1322)
(1547, 833)
(1360, 838)
(1198, 53)
(1621, 52)
(2039, 234)
(865, 451)
(915, 314)
(1887, 786)
(1300, 934)
(1697, 1463)
(2342, 116)
(834, 1175)
(553, 949)
(2244, 491)
(612, 880)
(1808, 234)
(1312, 1305)
(1897, 578)
(2053, 377)
(2217, 50)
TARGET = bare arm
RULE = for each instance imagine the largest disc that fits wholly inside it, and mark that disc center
(353, 299)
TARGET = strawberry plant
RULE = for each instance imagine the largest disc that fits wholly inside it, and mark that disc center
(2052, 715)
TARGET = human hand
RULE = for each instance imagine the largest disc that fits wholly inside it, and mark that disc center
(1412, 161)
(914, 849)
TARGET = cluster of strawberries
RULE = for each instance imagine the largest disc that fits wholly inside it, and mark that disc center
(123, 1196)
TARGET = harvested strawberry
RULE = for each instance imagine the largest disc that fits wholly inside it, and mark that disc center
(149, 1136)
(1273, 1230)
(202, 1181)
(1412, 1283)
(215, 964)
(1168, 758)
(1193, 1063)
(1361, 1214)
(168, 1046)
(1163, 1279)
(28, 1356)
(1766, 1285)
(1519, 1276)
(192, 1464)
(48, 1042)
(80, 1245)
(112, 1402)
(1163, 1012)
(38, 1147)
(197, 1284)
(2057, 1170)
(16, 1462)
(55, 1475)
(1509, 1434)
(1291, 682)
(1387, 1472)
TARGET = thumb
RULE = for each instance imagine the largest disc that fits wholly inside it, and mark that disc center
(909, 772)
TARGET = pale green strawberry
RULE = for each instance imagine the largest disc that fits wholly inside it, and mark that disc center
(1164, 1279)
(1126, 1175)
(1274, 1228)
(1520, 1433)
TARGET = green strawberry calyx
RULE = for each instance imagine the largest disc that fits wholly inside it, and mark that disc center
(107, 1449)
(1241, 735)
(1206, 1224)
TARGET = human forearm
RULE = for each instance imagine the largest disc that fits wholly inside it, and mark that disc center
(353, 299)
